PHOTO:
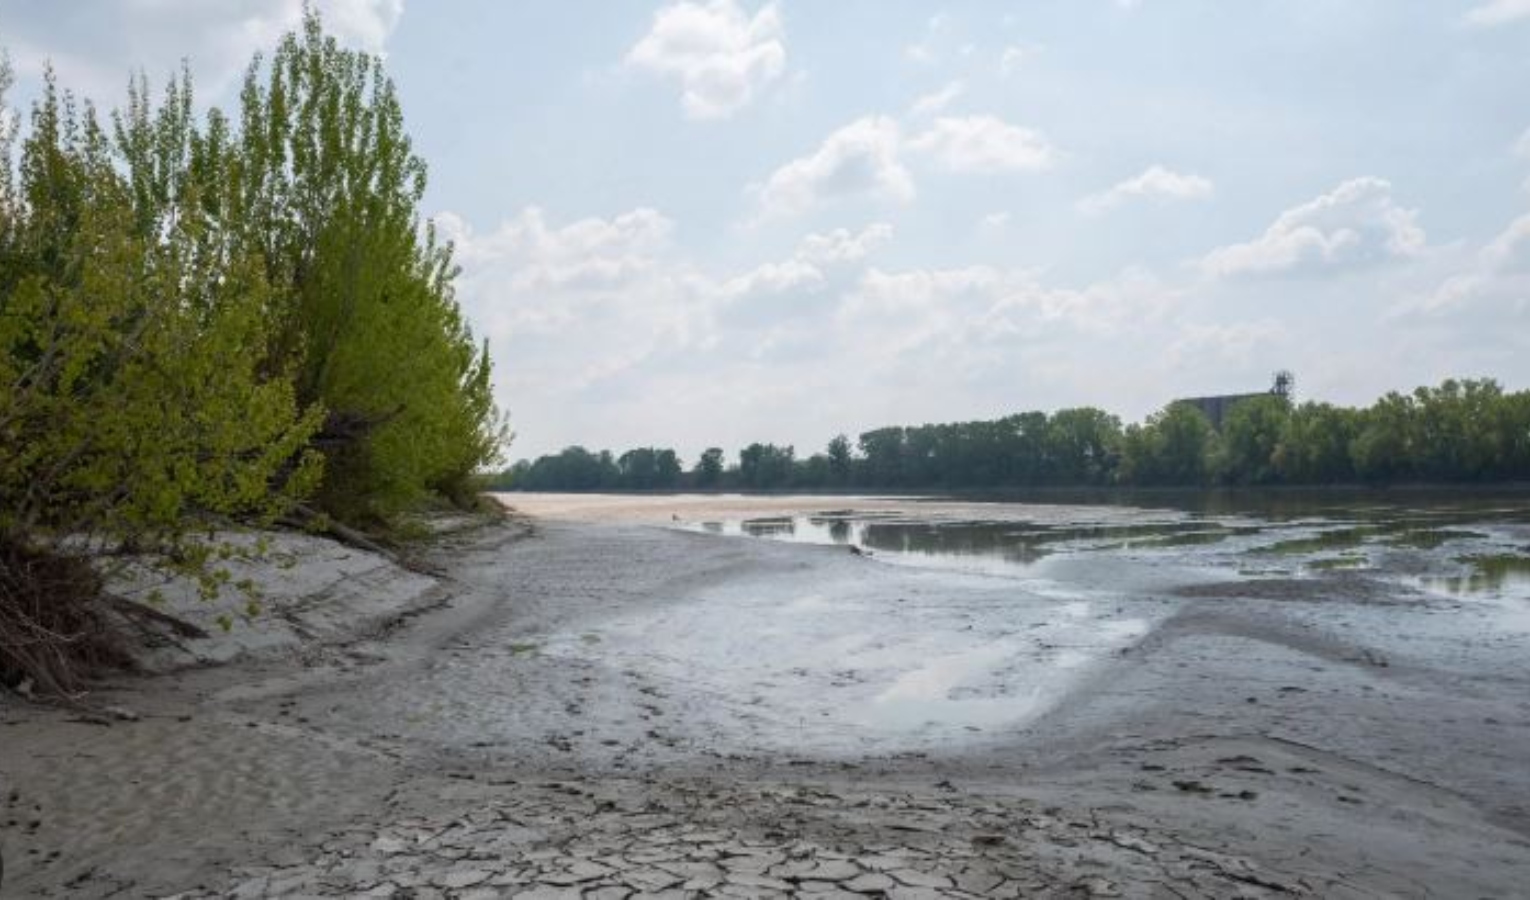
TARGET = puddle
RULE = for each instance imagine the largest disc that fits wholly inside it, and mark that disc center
(1335, 563)
(1486, 574)
(972, 545)
(1336, 539)
(1431, 538)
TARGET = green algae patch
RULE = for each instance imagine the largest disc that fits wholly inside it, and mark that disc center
(1430, 538)
(1337, 539)
(1339, 563)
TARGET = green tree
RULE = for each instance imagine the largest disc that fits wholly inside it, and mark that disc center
(1382, 450)
(134, 405)
(1173, 447)
(765, 466)
(1083, 445)
(812, 472)
(882, 457)
(709, 468)
(639, 468)
(666, 468)
(328, 190)
(840, 461)
(1251, 440)
(1315, 446)
(1458, 434)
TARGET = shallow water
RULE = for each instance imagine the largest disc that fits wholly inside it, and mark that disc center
(1461, 546)
(970, 620)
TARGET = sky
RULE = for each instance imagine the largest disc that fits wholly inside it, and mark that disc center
(690, 224)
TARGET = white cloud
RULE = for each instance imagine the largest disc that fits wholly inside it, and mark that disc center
(572, 306)
(721, 55)
(986, 300)
(592, 319)
(1510, 250)
(919, 53)
(1357, 223)
(995, 220)
(773, 278)
(1522, 146)
(843, 245)
(860, 159)
(95, 53)
(588, 254)
(979, 330)
(1014, 57)
(935, 101)
(923, 52)
(1232, 342)
(1498, 12)
(1498, 277)
(984, 144)
(1155, 181)
(366, 24)
(865, 159)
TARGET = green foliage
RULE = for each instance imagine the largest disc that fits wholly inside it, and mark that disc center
(327, 195)
(882, 456)
(1315, 446)
(200, 322)
(709, 468)
(646, 467)
(1173, 447)
(840, 460)
(1383, 449)
(1251, 440)
(765, 466)
(130, 355)
(573, 469)
(1083, 446)
(134, 404)
(1467, 430)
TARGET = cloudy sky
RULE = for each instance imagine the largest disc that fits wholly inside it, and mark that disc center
(694, 223)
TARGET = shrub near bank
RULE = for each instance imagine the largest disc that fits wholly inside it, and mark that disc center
(204, 323)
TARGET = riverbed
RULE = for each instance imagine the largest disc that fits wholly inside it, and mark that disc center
(634, 694)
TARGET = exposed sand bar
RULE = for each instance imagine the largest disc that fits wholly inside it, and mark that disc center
(618, 704)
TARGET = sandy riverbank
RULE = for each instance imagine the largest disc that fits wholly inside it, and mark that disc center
(559, 726)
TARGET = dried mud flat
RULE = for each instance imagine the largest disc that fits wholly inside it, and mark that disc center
(502, 735)
(615, 838)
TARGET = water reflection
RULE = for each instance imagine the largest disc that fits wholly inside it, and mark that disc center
(995, 540)
(1420, 539)
(1487, 574)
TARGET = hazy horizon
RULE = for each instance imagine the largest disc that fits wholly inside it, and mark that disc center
(694, 224)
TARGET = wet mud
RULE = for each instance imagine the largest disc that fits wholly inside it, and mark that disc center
(705, 696)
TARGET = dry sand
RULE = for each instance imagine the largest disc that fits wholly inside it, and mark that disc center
(489, 733)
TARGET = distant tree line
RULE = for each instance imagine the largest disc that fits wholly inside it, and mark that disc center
(1460, 431)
